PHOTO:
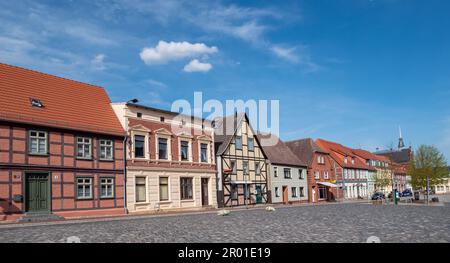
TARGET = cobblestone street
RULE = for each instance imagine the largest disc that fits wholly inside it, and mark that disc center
(323, 223)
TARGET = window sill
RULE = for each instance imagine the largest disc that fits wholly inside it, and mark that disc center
(165, 202)
(140, 159)
(84, 159)
(106, 160)
(107, 198)
(141, 203)
(85, 199)
(39, 154)
(187, 200)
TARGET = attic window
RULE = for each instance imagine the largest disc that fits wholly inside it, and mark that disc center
(162, 119)
(139, 115)
(36, 103)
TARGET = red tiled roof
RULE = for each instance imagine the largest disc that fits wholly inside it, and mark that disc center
(338, 153)
(280, 152)
(370, 156)
(67, 104)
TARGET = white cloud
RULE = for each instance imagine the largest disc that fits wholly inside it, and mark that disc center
(197, 66)
(298, 55)
(99, 62)
(288, 54)
(171, 51)
(155, 83)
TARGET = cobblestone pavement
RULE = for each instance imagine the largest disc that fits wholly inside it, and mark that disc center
(323, 223)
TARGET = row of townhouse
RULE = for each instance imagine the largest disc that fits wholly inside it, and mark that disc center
(67, 151)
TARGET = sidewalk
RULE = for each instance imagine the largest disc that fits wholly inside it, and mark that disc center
(79, 220)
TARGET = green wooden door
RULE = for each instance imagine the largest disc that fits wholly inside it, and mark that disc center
(258, 194)
(37, 193)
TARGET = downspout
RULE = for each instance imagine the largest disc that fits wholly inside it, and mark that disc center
(125, 140)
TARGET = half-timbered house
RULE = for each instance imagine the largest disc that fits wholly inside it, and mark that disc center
(61, 148)
(242, 175)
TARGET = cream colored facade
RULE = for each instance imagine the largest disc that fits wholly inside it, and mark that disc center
(154, 183)
(153, 202)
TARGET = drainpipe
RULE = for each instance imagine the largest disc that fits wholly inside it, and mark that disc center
(125, 140)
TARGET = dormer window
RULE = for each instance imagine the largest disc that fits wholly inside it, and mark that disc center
(162, 119)
(139, 115)
(353, 160)
(345, 159)
(36, 103)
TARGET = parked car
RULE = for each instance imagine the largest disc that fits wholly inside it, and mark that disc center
(378, 196)
(407, 193)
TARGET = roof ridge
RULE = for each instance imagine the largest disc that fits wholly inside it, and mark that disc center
(51, 75)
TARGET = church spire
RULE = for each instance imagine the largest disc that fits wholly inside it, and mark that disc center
(401, 143)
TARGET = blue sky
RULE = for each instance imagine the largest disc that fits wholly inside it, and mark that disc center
(345, 70)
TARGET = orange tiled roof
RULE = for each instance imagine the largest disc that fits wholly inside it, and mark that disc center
(338, 153)
(370, 156)
(67, 104)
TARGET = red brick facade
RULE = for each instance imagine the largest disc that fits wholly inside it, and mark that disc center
(62, 168)
(175, 153)
(322, 168)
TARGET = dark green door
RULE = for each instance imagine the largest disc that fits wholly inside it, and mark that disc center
(258, 194)
(37, 193)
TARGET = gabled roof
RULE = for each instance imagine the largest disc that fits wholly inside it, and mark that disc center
(370, 156)
(338, 152)
(402, 156)
(66, 103)
(279, 152)
(304, 149)
(224, 130)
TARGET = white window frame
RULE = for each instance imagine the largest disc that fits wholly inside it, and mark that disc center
(301, 174)
(257, 168)
(189, 152)
(294, 192)
(168, 189)
(112, 185)
(290, 173)
(317, 175)
(142, 131)
(326, 176)
(233, 164)
(235, 143)
(84, 184)
(245, 164)
(204, 140)
(84, 143)
(253, 144)
(277, 192)
(38, 138)
(145, 187)
(164, 134)
(100, 149)
(200, 152)
(193, 188)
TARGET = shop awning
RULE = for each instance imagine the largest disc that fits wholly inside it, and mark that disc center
(328, 184)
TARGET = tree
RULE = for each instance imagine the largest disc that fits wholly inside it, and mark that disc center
(383, 178)
(428, 163)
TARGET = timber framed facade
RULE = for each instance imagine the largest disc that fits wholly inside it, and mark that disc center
(68, 167)
(242, 170)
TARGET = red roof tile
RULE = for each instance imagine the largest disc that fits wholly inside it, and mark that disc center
(67, 104)
(338, 153)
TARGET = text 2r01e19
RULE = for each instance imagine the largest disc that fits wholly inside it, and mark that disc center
(245, 252)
